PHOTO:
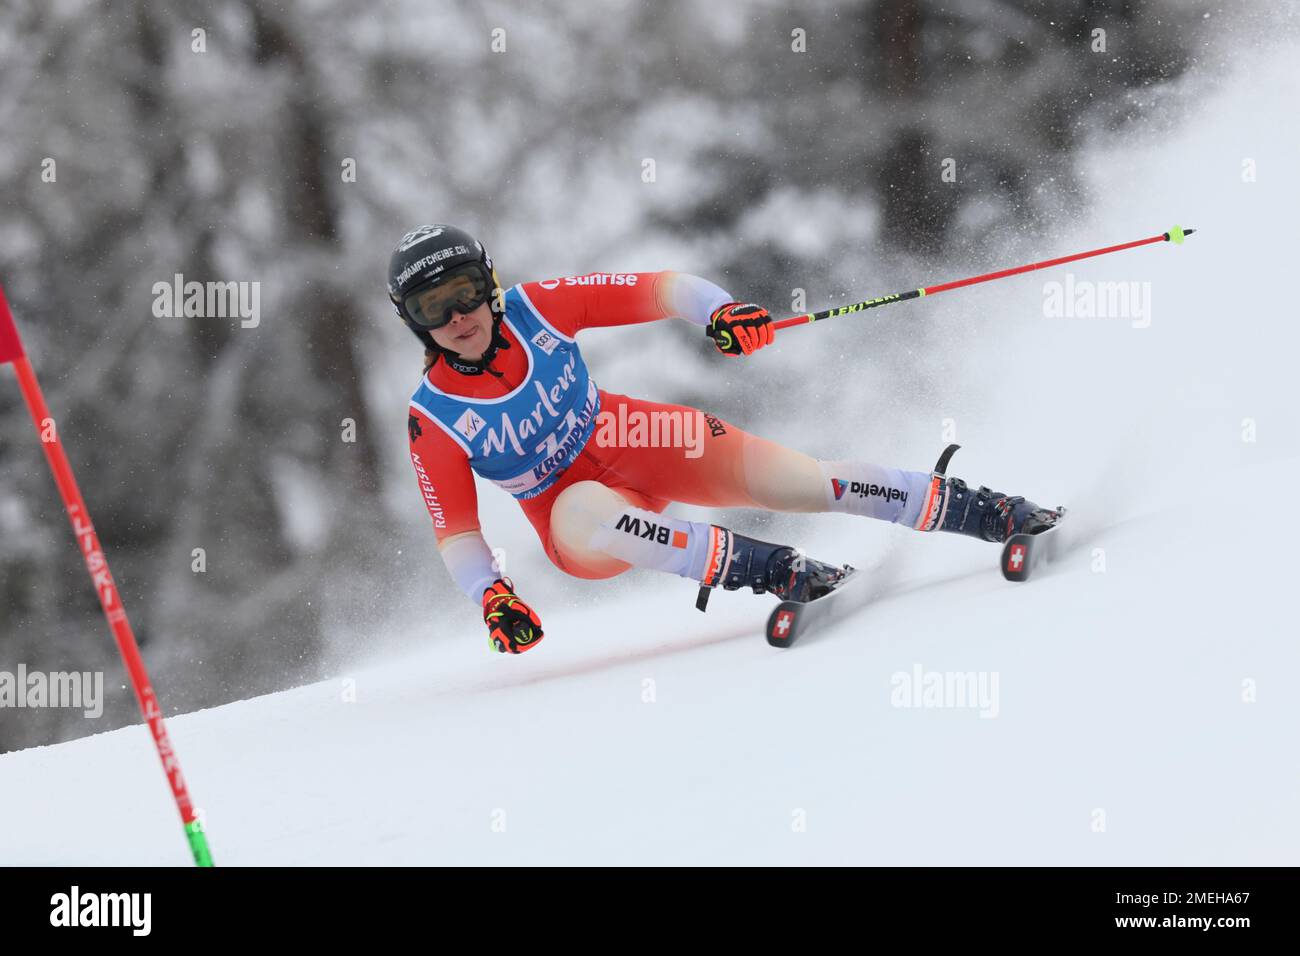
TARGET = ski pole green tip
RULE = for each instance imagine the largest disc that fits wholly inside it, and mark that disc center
(198, 843)
(1176, 235)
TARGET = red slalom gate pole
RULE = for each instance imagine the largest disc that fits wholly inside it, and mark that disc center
(1174, 235)
(11, 350)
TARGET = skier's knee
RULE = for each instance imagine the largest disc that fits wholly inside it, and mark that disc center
(580, 509)
(575, 515)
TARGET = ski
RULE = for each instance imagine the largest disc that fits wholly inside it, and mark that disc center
(1022, 553)
(792, 618)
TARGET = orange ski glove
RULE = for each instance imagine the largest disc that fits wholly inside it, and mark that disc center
(739, 328)
(513, 627)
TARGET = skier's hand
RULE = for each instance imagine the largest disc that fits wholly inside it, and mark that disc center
(739, 328)
(513, 627)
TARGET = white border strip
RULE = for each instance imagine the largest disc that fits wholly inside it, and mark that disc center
(541, 318)
(434, 418)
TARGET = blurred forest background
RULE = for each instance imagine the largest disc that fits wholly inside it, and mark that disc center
(776, 169)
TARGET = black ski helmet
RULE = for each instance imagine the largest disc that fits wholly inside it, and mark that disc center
(424, 258)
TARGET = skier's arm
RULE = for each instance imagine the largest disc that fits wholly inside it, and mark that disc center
(447, 486)
(599, 300)
(602, 299)
(736, 328)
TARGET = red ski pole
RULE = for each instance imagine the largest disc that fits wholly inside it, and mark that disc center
(1174, 235)
(11, 350)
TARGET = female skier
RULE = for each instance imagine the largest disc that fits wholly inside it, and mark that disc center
(506, 394)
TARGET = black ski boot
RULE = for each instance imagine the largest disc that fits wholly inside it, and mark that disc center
(743, 562)
(984, 514)
(991, 515)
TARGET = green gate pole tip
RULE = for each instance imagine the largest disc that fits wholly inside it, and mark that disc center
(199, 843)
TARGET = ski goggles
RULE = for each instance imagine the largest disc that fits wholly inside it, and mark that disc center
(459, 290)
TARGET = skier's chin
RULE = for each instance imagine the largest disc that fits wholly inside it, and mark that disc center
(475, 351)
(471, 347)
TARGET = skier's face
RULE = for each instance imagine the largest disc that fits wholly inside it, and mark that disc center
(468, 334)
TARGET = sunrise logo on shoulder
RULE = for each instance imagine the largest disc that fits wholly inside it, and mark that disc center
(593, 278)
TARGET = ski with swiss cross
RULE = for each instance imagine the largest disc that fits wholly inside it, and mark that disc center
(1022, 553)
(792, 618)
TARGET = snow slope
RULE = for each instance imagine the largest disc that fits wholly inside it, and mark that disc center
(1156, 695)
(1118, 690)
